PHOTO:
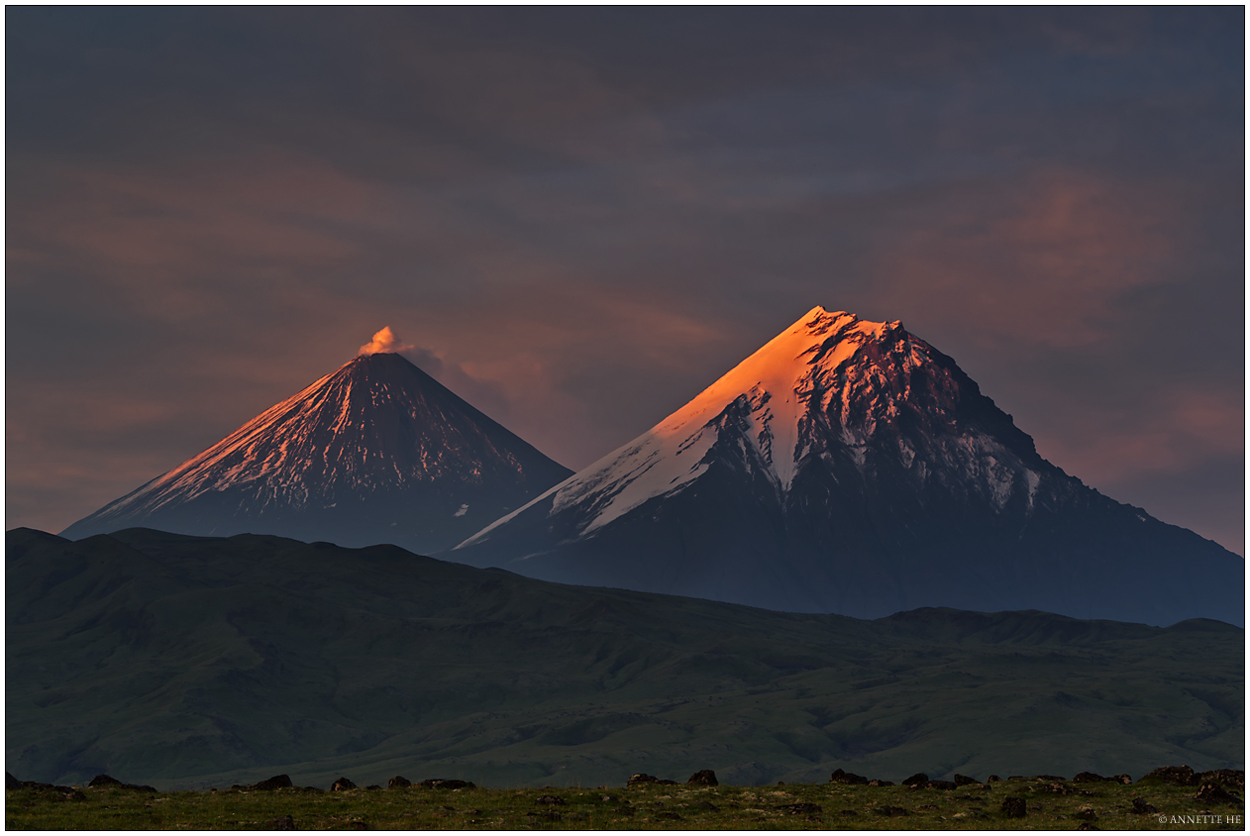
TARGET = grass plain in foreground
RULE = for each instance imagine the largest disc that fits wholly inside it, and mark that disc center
(1107, 806)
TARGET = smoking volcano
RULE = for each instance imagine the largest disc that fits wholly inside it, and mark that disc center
(376, 452)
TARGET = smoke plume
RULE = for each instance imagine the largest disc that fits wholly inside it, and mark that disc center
(384, 342)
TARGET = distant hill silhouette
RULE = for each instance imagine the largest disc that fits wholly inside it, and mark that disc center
(182, 661)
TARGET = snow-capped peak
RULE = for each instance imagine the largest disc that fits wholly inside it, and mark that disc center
(772, 394)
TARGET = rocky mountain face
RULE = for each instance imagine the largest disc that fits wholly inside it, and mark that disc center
(376, 452)
(848, 466)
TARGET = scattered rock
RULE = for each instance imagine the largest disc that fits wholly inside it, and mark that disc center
(879, 782)
(73, 795)
(1121, 779)
(448, 784)
(1088, 778)
(1086, 813)
(111, 782)
(918, 779)
(1227, 777)
(1180, 776)
(961, 780)
(549, 799)
(704, 778)
(1055, 788)
(1212, 793)
(1141, 807)
(840, 777)
(342, 784)
(277, 782)
(641, 779)
(803, 808)
(1015, 807)
(892, 812)
(36, 785)
(284, 823)
(398, 783)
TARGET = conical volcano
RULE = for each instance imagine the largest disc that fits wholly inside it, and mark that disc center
(376, 452)
(848, 466)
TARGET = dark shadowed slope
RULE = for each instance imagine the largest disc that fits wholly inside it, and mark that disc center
(178, 661)
(850, 467)
(377, 452)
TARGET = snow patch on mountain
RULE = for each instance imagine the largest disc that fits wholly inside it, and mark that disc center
(771, 398)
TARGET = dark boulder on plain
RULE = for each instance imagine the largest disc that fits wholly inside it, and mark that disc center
(936, 785)
(704, 778)
(550, 800)
(919, 779)
(887, 810)
(840, 777)
(1212, 793)
(640, 779)
(277, 782)
(1057, 788)
(108, 781)
(398, 783)
(964, 780)
(1015, 807)
(880, 782)
(1227, 777)
(448, 784)
(1179, 776)
(342, 784)
(1142, 807)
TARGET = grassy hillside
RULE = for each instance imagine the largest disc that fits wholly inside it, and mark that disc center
(188, 662)
(790, 807)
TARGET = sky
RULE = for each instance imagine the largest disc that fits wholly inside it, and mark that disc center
(578, 219)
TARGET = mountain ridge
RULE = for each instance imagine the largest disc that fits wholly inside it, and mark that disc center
(183, 661)
(848, 466)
